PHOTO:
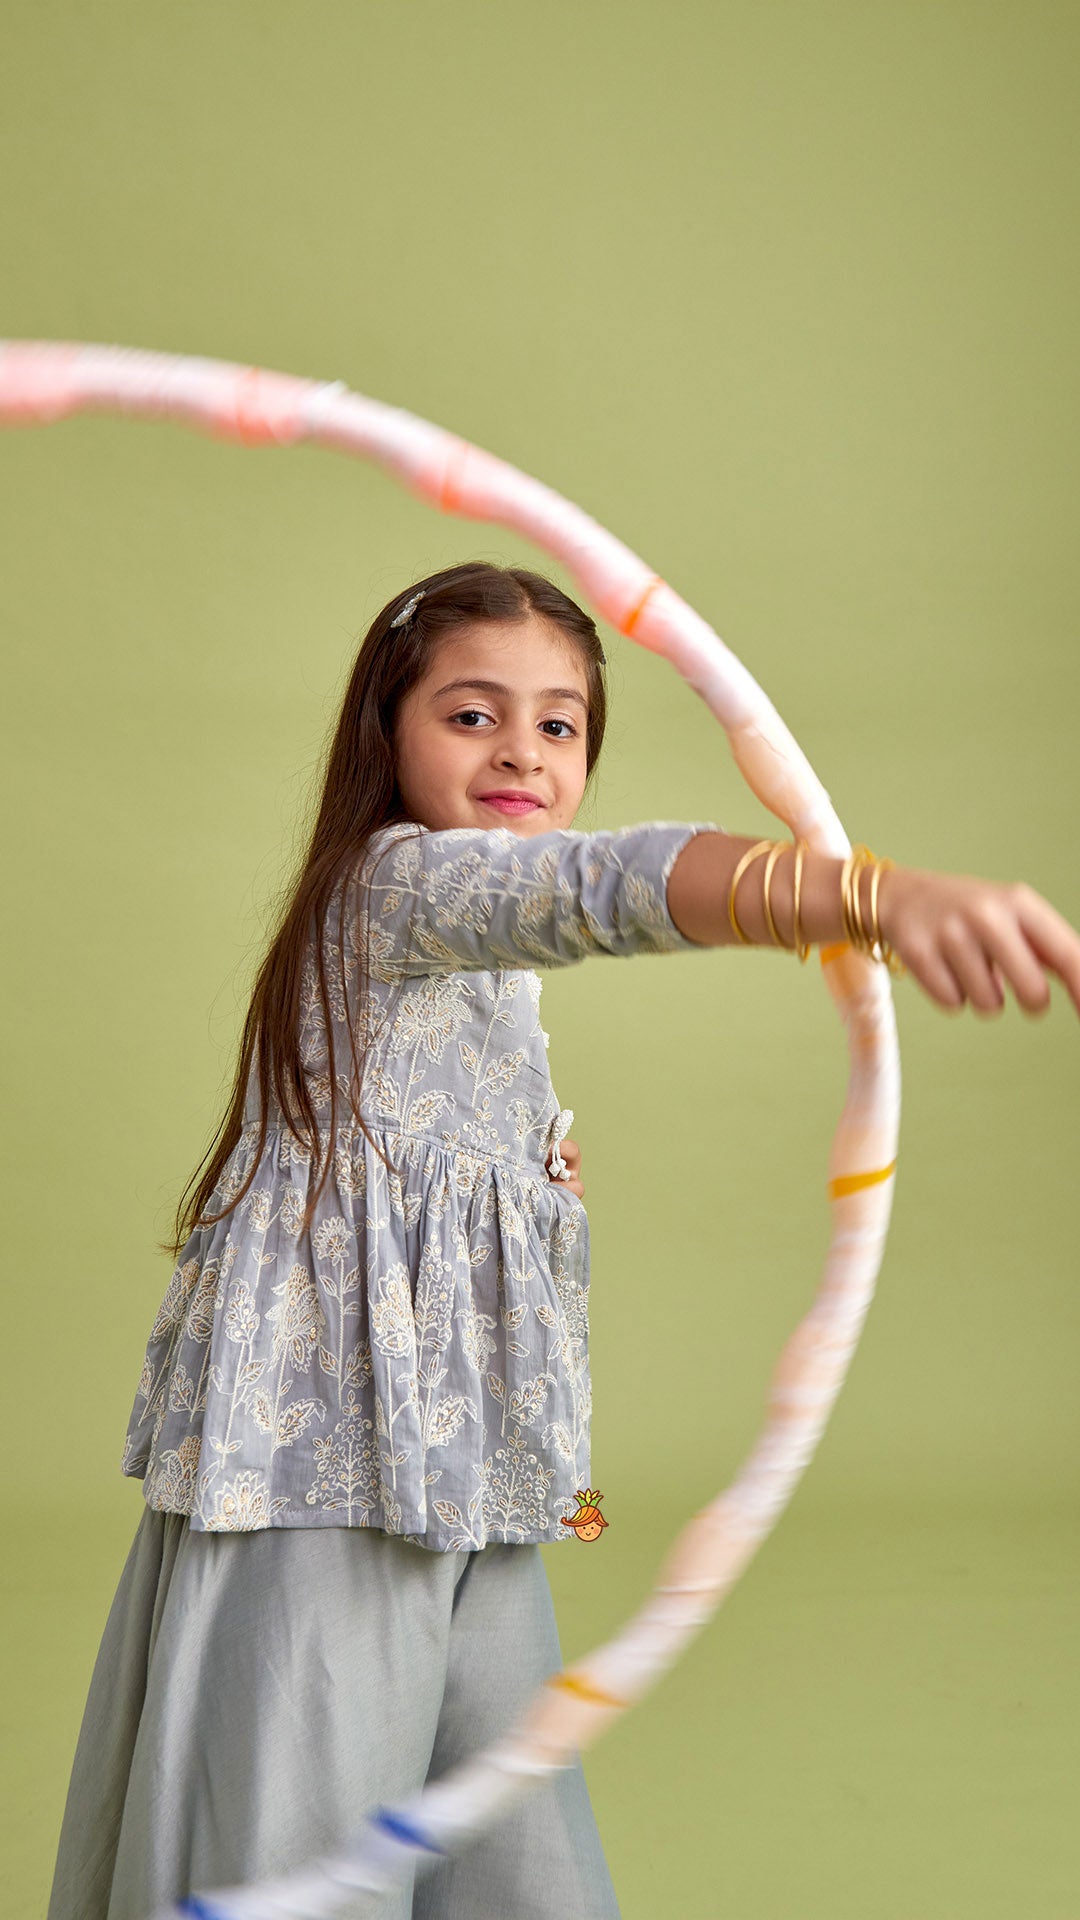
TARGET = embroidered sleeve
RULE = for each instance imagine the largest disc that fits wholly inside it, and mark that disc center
(480, 898)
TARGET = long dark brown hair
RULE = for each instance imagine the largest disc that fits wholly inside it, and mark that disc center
(360, 794)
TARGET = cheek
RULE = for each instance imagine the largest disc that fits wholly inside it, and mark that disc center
(456, 751)
(435, 754)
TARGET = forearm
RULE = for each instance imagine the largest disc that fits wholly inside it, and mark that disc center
(700, 881)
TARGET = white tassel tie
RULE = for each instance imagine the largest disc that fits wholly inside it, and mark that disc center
(560, 1127)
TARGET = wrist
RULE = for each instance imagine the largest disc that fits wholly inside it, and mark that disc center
(821, 918)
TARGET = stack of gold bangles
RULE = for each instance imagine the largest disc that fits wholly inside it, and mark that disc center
(864, 939)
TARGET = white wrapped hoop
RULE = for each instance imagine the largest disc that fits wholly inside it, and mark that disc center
(42, 381)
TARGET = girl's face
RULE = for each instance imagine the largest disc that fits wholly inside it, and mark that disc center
(500, 712)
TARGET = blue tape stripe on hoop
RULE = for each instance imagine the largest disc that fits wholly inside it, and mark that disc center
(401, 1830)
(195, 1909)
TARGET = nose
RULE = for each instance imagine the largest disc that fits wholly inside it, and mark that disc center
(519, 747)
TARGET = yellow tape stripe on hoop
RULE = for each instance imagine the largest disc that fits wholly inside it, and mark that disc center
(853, 1182)
(569, 1683)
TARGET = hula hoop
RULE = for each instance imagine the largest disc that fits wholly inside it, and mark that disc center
(43, 381)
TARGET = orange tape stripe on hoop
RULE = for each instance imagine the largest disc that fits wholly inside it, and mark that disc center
(253, 427)
(627, 626)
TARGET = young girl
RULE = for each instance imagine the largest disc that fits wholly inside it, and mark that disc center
(365, 1401)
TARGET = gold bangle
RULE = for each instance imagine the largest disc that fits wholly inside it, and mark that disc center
(774, 850)
(778, 847)
(750, 854)
(798, 849)
(862, 938)
(849, 897)
(874, 922)
(864, 859)
(802, 947)
(892, 960)
(845, 876)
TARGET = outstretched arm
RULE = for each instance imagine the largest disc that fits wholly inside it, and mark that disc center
(469, 898)
(962, 938)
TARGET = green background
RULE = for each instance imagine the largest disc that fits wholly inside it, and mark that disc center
(785, 296)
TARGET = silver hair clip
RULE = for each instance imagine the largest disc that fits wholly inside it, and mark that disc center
(408, 609)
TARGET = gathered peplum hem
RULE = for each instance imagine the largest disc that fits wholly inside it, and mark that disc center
(415, 1360)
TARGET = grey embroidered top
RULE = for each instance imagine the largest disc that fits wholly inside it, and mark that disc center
(417, 1359)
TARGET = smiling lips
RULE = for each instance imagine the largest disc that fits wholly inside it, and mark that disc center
(509, 800)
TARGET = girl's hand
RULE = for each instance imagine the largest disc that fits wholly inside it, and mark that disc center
(962, 939)
(571, 1153)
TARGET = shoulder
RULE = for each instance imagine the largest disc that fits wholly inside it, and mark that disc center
(404, 835)
(417, 849)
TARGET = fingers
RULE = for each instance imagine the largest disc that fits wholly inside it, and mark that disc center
(1006, 941)
(935, 974)
(971, 970)
(1055, 944)
(969, 940)
(1009, 949)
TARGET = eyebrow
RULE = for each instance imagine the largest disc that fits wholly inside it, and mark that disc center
(496, 686)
